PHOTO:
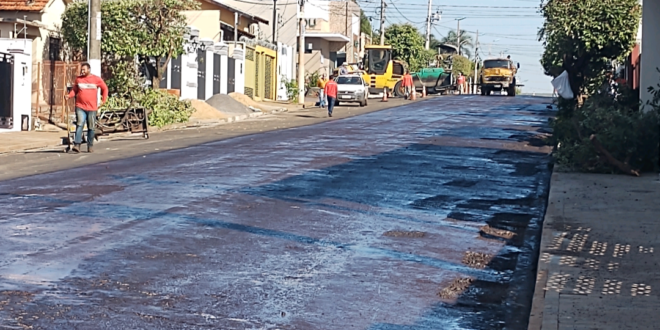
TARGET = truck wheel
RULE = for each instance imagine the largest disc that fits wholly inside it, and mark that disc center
(512, 90)
(483, 92)
(399, 90)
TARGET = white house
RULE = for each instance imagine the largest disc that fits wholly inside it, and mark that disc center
(650, 47)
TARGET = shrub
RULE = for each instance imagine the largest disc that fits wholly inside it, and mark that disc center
(620, 127)
(291, 87)
(163, 108)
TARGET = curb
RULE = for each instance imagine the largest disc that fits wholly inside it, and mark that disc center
(26, 147)
(540, 314)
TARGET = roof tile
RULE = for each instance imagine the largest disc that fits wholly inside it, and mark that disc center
(23, 5)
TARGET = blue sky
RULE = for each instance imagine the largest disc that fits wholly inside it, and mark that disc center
(508, 26)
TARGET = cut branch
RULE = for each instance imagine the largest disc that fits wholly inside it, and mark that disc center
(621, 166)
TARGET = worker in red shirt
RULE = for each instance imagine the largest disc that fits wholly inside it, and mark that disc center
(460, 81)
(85, 89)
(331, 94)
(407, 84)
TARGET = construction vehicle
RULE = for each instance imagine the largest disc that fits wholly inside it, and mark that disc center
(378, 69)
(498, 75)
(434, 78)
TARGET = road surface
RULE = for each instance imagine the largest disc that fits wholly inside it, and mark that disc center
(422, 216)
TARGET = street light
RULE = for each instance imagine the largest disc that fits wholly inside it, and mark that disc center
(458, 33)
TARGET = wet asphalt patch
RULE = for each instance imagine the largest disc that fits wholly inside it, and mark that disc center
(353, 223)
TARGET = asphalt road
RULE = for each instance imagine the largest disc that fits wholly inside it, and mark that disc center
(422, 216)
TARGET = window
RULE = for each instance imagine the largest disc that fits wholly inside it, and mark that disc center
(344, 80)
(497, 64)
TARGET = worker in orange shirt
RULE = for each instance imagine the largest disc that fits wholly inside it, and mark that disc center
(321, 85)
(407, 84)
(331, 94)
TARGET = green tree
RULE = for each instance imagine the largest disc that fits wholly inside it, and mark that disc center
(434, 43)
(596, 131)
(408, 45)
(365, 24)
(466, 41)
(152, 28)
(462, 64)
(584, 36)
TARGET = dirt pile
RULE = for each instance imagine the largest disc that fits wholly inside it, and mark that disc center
(248, 102)
(228, 106)
(204, 110)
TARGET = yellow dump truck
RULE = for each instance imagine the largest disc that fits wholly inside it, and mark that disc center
(499, 75)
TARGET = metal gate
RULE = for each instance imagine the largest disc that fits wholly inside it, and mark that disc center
(268, 93)
(176, 73)
(216, 74)
(201, 75)
(6, 91)
(257, 88)
(231, 75)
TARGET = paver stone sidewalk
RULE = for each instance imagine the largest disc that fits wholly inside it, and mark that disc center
(598, 264)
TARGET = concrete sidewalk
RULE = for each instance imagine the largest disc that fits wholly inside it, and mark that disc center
(598, 264)
(21, 141)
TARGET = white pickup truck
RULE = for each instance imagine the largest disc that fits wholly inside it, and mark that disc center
(351, 88)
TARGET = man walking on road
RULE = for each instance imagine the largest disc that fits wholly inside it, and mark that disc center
(331, 94)
(85, 89)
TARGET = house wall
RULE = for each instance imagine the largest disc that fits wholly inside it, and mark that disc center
(226, 16)
(51, 20)
(22, 87)
(285, 68)
(206, 21)
(342, 21)
(287, 25)
(267, 73)
(650, 48)
(319, 58)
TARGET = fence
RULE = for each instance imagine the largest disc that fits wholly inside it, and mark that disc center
(49, 85)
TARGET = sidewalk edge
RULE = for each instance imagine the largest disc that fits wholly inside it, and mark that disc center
(541, 315)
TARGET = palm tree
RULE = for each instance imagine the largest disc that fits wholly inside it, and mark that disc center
(466, 41)
(434, 43)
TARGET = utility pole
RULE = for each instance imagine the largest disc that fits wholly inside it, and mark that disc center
(94, 39)
(382, 22)
(274, 22)
(236, 17)
(428, 27)
(458, 34)
(476, 63)
(301, 54)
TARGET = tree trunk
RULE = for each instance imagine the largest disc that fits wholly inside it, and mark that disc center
(160, 71)
(623, 167)
(155, 81)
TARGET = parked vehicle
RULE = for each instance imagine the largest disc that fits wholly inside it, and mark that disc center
(352, 88)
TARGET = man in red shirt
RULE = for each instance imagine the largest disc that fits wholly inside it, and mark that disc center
(407, 84)
(331, 94)
(85, 89)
